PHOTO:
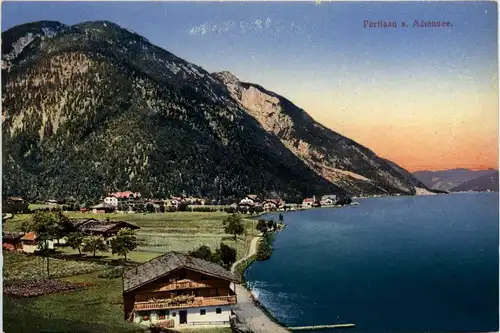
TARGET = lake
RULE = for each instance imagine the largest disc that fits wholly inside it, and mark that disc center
(396, 264)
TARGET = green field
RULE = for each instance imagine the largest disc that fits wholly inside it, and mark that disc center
(17, 266)
(162, 232)
(99, 308)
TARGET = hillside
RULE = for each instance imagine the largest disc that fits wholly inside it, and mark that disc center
(488, 182)
(445, 180)
(333, 156)
(94, 108)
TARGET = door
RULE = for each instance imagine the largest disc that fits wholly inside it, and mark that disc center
(183, 317)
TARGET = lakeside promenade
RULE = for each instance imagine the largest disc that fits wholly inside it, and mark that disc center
(249, 316)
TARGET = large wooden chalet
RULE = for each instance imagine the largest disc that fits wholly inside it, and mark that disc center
(176, 290)
(101, 228)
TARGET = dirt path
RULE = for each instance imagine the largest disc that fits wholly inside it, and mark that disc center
(251, 252)
(251, 318)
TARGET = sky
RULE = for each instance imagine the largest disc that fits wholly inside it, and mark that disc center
(425, 98)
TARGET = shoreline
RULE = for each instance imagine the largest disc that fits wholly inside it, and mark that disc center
(253, 322)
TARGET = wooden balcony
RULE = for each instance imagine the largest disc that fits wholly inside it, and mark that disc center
(179, 285)
(196, 302)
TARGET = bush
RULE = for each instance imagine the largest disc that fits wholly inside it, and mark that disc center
(204, 209)
(265, 248)
(230, 210)
(112, 273)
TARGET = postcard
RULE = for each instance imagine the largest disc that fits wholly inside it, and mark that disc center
(216, 167)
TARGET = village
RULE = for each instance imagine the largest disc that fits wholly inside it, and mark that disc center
(175, 266)
(132, 202)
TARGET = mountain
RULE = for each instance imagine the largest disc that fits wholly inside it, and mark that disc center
(488, 182)
(445, 180)
(95, 108)
(331, 155)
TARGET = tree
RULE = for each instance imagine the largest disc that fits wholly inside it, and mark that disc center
(140, 207)
(224, 255)
(150, 208)
(45, 226)
(122, 206)
(203, 252)
(271, 224)
(124, 242)
(75, 241)
(262, 226)
(233, 226)
(228, 254)
(182, 206)
(94, 244)
(62, 227)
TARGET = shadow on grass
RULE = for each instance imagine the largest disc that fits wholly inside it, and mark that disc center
(21, 319)
(103, 260)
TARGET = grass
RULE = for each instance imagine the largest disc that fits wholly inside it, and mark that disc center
(162, 232)
(17, 266)
(99, 308)
(43, 206)
(208, 330)
(96, 308)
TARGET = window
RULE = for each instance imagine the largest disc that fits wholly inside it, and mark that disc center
(203, 277)
(173, 314)
(202, 312)
(218, 310)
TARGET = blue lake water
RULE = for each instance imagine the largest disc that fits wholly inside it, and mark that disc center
(399, 264)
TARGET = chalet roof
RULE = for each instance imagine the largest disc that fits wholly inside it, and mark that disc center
(12, 235)
(308, 200)
(78, 222)
(103, 206)
(86, 225)
(16, 199)
(274, 201)
(30, 236)
(169, 262)
(125, 195)
(329, 196)
(252, 196)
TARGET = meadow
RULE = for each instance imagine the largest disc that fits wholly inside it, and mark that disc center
(99, 307)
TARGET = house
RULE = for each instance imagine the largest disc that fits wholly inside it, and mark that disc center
(31, 243)
(328, 200)
(175, 201)
(111, 200)
(101, 228)
(51, 202)
(125, 195)
(250, 199)
(270, 204)
(308, 202)
(103, 208)
(14, 205)
(12, 241)
(178, 291)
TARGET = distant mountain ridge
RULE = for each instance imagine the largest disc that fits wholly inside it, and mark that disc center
(94, 108)
(445, 180)
(488, 182)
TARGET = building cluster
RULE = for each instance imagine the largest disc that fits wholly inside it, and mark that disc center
(253, 200)
(30, 242)
(326, 200)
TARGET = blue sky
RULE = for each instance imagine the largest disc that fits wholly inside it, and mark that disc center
(324, 60)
